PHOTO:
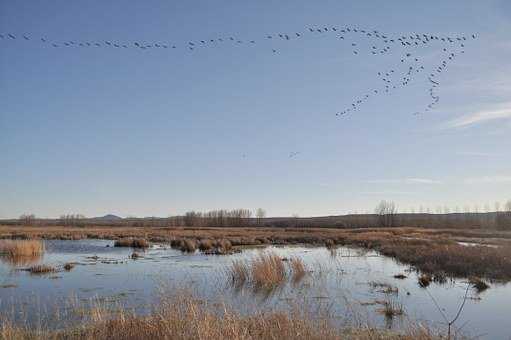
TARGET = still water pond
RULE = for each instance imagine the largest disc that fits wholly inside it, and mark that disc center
(341, 281)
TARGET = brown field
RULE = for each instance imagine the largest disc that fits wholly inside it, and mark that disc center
(432, 251)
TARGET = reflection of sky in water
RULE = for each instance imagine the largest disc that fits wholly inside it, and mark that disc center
(335, 278)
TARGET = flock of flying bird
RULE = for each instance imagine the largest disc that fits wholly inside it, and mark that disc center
(376, 43)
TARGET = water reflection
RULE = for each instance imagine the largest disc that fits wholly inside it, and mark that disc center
(21, 261)
(339, 282)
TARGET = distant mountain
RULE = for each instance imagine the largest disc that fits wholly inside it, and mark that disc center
(108, 217)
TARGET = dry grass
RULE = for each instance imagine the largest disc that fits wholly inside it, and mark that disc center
(206, 244)
(19, 248)
(392, 309)
(184, 317)
(189, 246)
(239, 272)
(69, 266)
(424, 280)
(384, 287)
(452, 259)
(42, 269)
(298, 269)
(132, 242)
(429, 250)
(21, 252)
(478, 284)
(268, 271)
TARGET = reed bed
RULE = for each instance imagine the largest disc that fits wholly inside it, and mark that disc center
(18, 248)
(268, 271)
(428, 250)
(42, 269)
(185, 317)
(132, 242)
(298, 269)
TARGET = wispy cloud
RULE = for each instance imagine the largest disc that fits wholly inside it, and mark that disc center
(404, 181)
(488, 179)
(481, 117)
(478, 154)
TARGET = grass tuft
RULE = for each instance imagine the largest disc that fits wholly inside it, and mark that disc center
(478, 284)
(17, 248)
(268, 271)
(298, 269)
(132, 242)
(189, 246)
(42, 269)
(69, 266)
(424, 280)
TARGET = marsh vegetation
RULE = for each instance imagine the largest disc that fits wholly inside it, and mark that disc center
(266, 271)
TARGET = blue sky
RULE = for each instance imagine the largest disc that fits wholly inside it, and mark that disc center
(163, 131)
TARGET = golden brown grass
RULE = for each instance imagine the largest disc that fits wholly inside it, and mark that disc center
(298, 269)
(429, 250)
(42, 269)
(21, 252)
(132, 242)
(184, 317)
(268, 271)
(189, 246)
(206, 244)
(239, 272)
(18, 248)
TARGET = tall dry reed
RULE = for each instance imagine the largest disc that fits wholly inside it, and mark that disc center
(268, 271)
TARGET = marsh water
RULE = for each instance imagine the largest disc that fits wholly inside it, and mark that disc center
(348, 283)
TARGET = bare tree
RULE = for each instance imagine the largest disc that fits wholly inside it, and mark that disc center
(260, 214)
(507, 206)
(295, 217)
(74, 220)
(27, 219)
(386, 212)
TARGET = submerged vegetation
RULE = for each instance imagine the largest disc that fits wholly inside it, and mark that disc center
(42, 269)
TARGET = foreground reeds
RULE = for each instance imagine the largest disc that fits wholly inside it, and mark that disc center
(21, 252)
(185, 317)
(16, 248)
(298, 269)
